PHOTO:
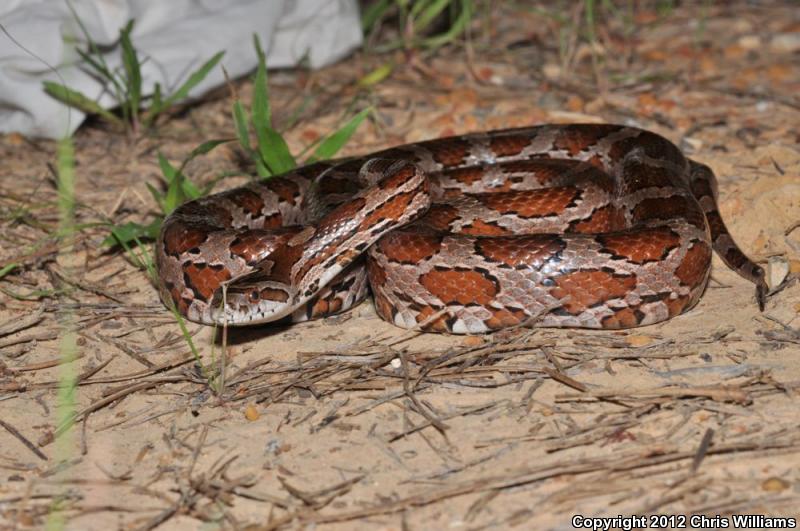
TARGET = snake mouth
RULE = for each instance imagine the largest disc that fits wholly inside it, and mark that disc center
(245, 305)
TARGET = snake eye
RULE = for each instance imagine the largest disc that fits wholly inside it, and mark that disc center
(254, 295)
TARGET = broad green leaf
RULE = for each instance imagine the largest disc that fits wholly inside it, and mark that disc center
(274, 150)
(174, 196)
(189, 189)
(193, 80)
(75, 99)
(334, 142)
(124, 234)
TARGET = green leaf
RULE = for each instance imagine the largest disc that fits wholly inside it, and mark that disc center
(334, 142)
(373, 13)
(202, 149)
(193, 80)
(260, 108)
(173, 176)
(376, 76)
(98, 64)
(75, 99)
(174, 196)
(243, 134)
(242, 126)
(167, 169)
(100, 69)
(274, 150)
(6, 269)
(133, 75)
(189, 189)
(424, 13)
(156, 106)
(157, 195)
(129, 232)
(457, 28)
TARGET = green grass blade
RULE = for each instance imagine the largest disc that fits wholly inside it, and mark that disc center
(65, 164)
(174, 196)
(243, 135)
(101, 70)
(376, 76)
(334, 142)
(373, 13)
(75, 99)
(427, 13)
(274, 150)
(129, 232)
(202, 149)
(194, 79)
(106, 71)
(262, 114)
(156, 106)
(133, 74)
(242, 126)
(6, 269)
(157, 195)
(167, 169)
(189, 190)
(458, 27)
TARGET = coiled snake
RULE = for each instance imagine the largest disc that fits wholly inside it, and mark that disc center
(582, 225)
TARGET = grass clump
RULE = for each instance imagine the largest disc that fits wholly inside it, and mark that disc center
(422, 24)
(137, 110)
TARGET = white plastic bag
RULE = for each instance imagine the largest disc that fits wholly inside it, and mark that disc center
(175, 37)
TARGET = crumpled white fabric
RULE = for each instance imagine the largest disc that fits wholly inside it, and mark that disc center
(175, 37)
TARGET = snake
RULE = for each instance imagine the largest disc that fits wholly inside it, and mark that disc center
(597, 226)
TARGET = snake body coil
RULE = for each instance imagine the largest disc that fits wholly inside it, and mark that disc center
(584, 225)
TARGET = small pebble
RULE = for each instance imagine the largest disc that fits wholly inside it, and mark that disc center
(750, 42)
(396, 363)
(472, 341)
(551, 71)
(774, 484)
(691, 145)
(251, 413)
(638, 341)
(785, 42)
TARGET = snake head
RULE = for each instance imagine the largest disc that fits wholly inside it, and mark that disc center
(251, 300)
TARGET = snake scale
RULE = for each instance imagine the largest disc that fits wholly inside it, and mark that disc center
(580, 225)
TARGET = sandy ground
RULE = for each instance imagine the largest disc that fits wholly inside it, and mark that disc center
(349, 422)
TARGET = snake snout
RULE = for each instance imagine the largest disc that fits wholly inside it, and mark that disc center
(239, 305)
